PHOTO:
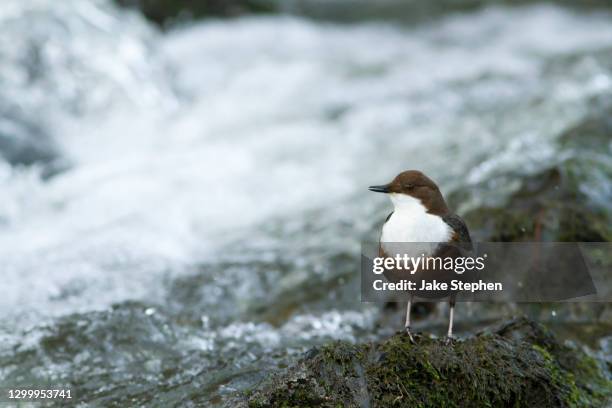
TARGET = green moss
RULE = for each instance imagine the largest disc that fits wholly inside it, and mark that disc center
(563, 381)
(597, 389)
(518, 365)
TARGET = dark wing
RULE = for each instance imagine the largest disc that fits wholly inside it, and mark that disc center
(460, 243)
(460, 230)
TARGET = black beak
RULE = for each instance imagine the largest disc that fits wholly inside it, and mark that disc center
(379, 189)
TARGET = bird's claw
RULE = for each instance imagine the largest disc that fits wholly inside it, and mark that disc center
(409, 333)
(449, 340)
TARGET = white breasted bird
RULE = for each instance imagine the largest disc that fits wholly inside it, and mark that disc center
(420, 216)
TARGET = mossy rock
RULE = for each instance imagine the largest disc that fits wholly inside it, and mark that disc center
(519, 364)
(567, 201)
(549, 206)
(595, 131)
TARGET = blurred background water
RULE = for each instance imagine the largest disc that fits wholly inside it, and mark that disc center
(183, 198)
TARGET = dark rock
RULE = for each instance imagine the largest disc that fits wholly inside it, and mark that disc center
(164, 12)
(593, 133)
(548, 206)
(568, 201)
(407, 11)
(167, 11)
(518, 364)
(118, 357)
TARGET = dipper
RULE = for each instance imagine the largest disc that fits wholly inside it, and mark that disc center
(421, 216)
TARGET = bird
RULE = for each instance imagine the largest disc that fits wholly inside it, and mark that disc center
(421, 216)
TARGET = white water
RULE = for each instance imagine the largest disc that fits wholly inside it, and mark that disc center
(182, 142)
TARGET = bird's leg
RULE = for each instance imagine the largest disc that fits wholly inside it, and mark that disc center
(449, 334)
(407, 324)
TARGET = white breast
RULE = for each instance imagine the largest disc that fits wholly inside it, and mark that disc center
(410, 222)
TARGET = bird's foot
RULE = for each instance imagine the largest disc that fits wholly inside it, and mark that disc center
(409, 333)
(449, 340)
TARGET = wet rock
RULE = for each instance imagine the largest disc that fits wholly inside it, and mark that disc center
(407, 11)
(167, 11)
(568, 201)
(518, 364)
(128, 355)
(163, 12)
(548, 206)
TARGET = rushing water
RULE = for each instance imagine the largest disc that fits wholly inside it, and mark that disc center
(203, 198)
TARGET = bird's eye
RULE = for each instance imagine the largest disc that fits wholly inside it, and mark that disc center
(408, 186)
